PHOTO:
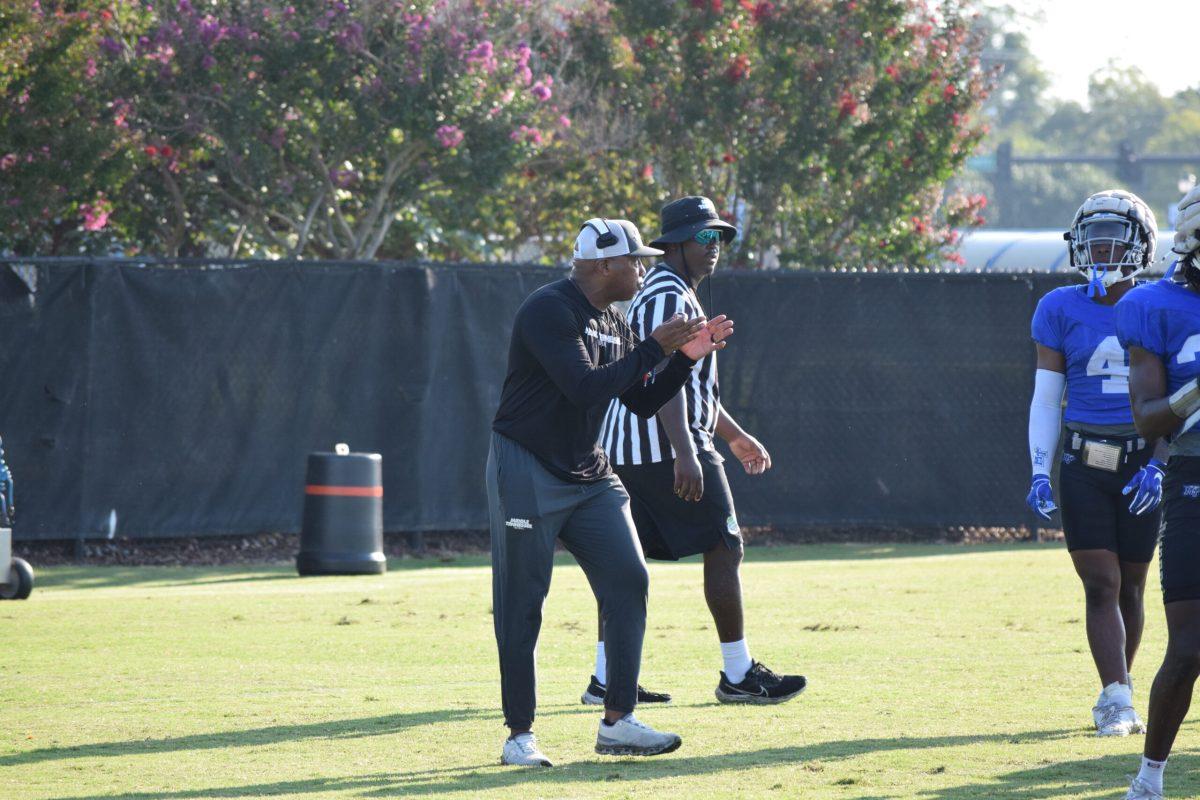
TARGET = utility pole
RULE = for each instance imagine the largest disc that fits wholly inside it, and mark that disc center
(1129, 168)
(1002, 184)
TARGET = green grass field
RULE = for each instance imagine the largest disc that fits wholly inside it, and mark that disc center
(936, 672)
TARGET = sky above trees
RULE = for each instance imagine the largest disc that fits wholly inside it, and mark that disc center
(1074, 38)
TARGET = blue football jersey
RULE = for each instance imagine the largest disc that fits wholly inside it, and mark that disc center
(1164, 318)
(1085, 332)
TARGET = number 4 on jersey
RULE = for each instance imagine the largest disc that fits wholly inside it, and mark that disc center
(1110, 361)
(1187, 353)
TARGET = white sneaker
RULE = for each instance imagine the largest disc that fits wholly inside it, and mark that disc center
(522, 751)
(630, 737)
(1113, 713)
(1117, 720)
(1140, 790)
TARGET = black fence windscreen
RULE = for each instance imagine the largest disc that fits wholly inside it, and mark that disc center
(183, 401)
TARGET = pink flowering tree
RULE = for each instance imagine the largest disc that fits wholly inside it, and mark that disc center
(62, 160)
(324, 129)
(825, 129)
(887, 113)
(465, 129)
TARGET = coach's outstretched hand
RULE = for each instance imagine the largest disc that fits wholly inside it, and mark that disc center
(1147, 488)
(678, 331)
(1041, 497)
(719, 328)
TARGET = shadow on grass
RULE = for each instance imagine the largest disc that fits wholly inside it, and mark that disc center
(84, 577)
(483, 778)
(1066, 778)
(96, 577)
(841, 551)
(332, 729)
(110, 577)
(275, 734)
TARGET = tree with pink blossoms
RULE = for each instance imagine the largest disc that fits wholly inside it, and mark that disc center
(484, 129)
(321, 129)
(63, 151)
(823, 128)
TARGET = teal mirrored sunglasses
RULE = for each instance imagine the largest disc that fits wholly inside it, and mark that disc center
(707, 236)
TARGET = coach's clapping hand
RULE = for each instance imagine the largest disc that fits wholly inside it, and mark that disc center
(678, 331)
(719, 329)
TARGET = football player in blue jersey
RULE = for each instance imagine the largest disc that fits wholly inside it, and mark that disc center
(1110, 481)
(1159, 323)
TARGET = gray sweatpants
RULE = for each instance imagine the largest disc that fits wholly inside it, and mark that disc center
(530, 509)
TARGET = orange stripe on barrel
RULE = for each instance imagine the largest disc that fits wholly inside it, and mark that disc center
(345, 491)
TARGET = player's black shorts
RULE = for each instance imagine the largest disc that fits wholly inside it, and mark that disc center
(1095, 515)
(1179, 551)
(671, 528)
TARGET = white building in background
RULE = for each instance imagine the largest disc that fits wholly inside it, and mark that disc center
(990, 250)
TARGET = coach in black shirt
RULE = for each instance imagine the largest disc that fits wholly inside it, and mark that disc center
(547, 478)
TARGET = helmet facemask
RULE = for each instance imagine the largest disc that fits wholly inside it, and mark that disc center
(1107, 248)
(1191, 269)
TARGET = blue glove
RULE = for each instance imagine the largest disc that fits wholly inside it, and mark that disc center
(1147, 488)
(1041, 497)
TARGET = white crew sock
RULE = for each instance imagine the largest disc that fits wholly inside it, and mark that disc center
(601, 672)
(1116, 694)
(737, 660)
(1151, 773)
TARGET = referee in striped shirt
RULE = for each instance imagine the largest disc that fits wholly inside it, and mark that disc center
(675, 477)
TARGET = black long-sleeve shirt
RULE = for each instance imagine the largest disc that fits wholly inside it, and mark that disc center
(566, 361)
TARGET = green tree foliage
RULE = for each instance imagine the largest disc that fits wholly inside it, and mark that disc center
(65, 149)
(1123, 106)
(319, 126)
(488, 128)
(825, 130)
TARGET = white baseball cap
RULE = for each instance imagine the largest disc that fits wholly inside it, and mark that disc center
(610, 238)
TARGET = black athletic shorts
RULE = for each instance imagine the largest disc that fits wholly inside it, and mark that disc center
(1179, 551)
(671, 528)
(1095, 515)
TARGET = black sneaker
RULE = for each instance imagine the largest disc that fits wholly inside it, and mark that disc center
(595, 692)
(760, 687)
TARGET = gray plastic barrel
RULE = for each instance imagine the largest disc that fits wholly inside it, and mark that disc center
(342, 533)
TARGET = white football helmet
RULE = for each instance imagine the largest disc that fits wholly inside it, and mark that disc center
(1187, 235)
(1111, 239)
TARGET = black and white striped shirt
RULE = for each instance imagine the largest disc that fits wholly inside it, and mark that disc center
(630, 439)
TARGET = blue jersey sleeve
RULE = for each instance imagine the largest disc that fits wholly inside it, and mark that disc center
(1134, 326)
(1047, 327)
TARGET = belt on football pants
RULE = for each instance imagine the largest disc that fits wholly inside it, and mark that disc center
(1104, 454)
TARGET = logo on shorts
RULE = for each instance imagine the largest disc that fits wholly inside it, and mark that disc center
(1068, 458)
(732, 526)
(1191, 490)
(519, 524)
